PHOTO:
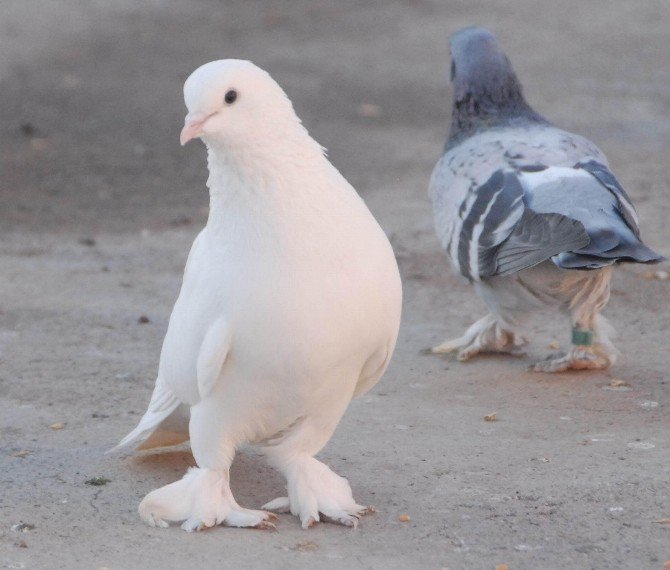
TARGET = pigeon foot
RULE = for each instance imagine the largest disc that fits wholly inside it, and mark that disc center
(316, 493)
(579, 358)
(202, 499)
(486, 335)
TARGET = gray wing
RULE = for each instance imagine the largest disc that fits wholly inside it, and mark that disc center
(498, 167)
(460, 173)
(590, 194)
(498, 234)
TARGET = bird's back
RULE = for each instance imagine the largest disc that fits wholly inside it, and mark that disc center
(465, 167)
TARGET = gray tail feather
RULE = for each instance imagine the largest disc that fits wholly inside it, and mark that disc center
(536, 238)
(636, 252)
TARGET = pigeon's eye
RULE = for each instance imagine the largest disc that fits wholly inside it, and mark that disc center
(230, 97)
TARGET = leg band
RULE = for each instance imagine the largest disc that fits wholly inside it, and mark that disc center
(581, 337)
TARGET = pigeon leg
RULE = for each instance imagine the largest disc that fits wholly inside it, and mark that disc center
(488, 334)
(314, 490)
(591, 350)
(202, 498)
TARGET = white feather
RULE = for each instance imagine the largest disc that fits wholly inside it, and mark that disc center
(290, 302)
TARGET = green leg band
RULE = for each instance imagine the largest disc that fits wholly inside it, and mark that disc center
(581, 337)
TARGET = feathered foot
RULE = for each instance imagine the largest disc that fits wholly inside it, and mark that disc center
(202, 498)
(592, 349)
(314, 489)
(578, 358)
(486, 335)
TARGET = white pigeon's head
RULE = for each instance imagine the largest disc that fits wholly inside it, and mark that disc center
(232, 103)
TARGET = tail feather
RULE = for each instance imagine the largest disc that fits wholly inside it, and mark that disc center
(636, 252)
(163, 404)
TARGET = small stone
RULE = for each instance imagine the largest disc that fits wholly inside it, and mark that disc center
(39, 144)
(23, 527)
(57, 426)
(618, 383)
(22, 453)
(404, 518)
(27, 129)
(143, 320)
(554, 345)
(502, 567)
(491, 417)
(369, 110)
(181, 221)
(306, 546)
(97, 481)
(23, 544)
(641, 445)
(87, 241)
(663, 521)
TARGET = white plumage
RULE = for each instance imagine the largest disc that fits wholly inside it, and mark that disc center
(290, 306)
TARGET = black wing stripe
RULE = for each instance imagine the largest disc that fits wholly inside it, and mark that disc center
(485, 193)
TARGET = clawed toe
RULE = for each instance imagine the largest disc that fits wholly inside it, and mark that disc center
(579, 358)
(151, 520)
(278, 505)
(343, 519)
(265, 525)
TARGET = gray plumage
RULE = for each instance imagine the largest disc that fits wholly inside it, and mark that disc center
(512, 191)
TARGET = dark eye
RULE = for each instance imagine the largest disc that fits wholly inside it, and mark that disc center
(230, 97)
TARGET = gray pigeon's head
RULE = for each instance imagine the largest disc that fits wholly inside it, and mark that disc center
(487, 92)
(476, 59)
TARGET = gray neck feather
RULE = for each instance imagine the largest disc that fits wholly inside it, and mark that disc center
(491, 102)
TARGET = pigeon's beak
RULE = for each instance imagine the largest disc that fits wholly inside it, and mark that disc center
(192, 127)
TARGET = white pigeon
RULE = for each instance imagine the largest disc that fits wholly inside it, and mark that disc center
(290, 307)
(529, 213)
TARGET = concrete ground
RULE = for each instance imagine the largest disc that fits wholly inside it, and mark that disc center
(99, 204)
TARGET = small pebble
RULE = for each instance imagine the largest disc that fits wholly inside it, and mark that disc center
(369, 110)
(23, 527)
(57, 426)
(97, 481)
(491, 417)
(306, 546)
(27, 129)
(39, 144)
(22, 453)
(143, 320)
(404, 518)
(641, 445)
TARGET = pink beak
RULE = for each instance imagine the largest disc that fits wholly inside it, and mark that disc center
(192, 127)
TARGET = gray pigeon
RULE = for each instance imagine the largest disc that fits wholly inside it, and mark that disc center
(530, 214)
